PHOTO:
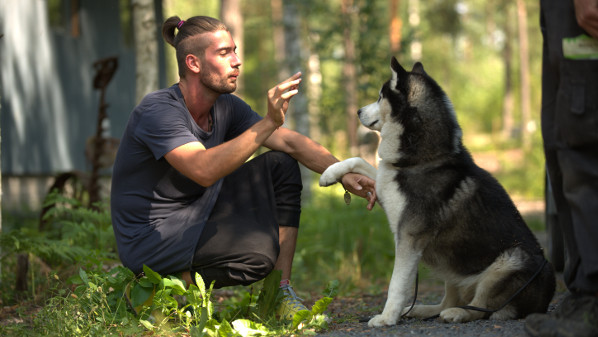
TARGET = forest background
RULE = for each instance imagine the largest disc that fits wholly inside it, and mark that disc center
(486, 54)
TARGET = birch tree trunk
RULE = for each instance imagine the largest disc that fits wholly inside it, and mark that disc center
(146, 47)
(1, 36)
(526, 122)
(230, 13)
(508, 99)
(350, 75)
(289, 59)
(314, 94)
(414, 21)
(278, 37)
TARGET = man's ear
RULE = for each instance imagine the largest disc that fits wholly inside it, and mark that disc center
(192, 63)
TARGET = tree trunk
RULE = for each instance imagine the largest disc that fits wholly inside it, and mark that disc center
(21, 273)
(350, 75)
(230, 13)
(146, 47)
(278, 37)
(526, 123)
(314, 94)
(1, 36)
(414, 21)
(394, 29)
(507, 130)
(288, 56)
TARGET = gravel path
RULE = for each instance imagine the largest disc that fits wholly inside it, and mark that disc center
(349, 318)
(350, 315)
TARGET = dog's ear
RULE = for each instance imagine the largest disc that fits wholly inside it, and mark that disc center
(418, 68)
(398, 73)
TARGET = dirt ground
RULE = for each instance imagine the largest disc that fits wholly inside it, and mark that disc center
(350, 315)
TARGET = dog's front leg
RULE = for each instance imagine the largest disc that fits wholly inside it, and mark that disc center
(451, 299)
(403, 276)
(336, 171)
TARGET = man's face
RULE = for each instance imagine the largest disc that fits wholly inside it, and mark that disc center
(220, 64)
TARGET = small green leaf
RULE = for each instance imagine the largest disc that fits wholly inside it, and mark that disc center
(140, 294)
(175, 284)
(196, 332)
(300, 316)
(200, 284)
(145, 282)
(83, 276)
(154, 277)
(321, 305)
(248, 328)
(203, 319)
(332, 289)
(146, 324)
(270, 295)
(225, 330)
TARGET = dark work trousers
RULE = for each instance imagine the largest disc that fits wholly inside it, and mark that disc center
(239, 244)
(570, 132)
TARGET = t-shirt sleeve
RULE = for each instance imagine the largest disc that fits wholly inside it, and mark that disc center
(164, 127)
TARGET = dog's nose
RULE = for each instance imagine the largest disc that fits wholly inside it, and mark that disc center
(359, 112)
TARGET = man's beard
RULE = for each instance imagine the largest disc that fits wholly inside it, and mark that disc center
(218, 84)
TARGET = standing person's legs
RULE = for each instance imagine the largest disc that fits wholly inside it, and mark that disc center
(580, 190)
(570, 131)
(240, 242)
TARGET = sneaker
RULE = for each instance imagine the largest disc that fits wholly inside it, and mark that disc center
(576, 316)
(290, 303)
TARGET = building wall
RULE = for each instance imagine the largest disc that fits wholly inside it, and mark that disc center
(49, 105)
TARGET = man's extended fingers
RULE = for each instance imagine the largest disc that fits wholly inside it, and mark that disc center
(287, 95)
(294, 77)
(284, 86)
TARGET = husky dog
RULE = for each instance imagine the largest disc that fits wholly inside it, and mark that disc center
(445, 211)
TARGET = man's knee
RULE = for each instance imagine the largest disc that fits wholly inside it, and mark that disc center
(245, 270)
(256, 267)
(285, 164)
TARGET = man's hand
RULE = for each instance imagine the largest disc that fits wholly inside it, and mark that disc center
(279, 97)
(586, 12)
(362, 186)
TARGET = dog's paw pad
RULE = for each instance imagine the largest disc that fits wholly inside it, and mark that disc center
(332, 174)
(327, 179)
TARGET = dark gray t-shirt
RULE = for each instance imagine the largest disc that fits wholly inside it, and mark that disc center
(157, 213)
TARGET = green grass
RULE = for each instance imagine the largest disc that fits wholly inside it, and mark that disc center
(343, 242)
(344, 245)
(350, 244)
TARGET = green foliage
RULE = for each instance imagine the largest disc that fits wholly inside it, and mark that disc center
(270, 295)
(117, 303)
(72, 233)
(346, 243)
(95, 308)
(336, 241)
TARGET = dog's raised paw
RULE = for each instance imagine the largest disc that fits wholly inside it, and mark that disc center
(381, 320)
(333, 174)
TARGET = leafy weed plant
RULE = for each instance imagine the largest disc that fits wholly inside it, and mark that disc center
(118, 303)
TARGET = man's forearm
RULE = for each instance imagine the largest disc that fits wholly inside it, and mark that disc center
(306, 151)
(206, 166)
(315, 157)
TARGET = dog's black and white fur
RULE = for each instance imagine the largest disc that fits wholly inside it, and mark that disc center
(445, 210)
